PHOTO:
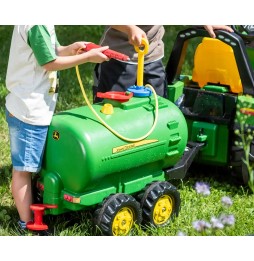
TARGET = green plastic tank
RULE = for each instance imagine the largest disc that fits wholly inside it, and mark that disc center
(84, 162)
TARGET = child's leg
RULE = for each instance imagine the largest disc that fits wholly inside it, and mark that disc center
(27, 145)
(22, 194)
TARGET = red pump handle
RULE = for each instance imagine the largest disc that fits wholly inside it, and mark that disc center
(110, 53)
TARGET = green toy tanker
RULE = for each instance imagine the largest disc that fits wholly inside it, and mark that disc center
(117, 157)
(86, 164)
(121, 172)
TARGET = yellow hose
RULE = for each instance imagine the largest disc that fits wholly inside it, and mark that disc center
(106, 125)
(140, 80)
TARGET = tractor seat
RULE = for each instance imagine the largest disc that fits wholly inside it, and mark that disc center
(214, 63)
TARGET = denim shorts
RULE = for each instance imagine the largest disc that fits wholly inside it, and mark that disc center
(27, 144)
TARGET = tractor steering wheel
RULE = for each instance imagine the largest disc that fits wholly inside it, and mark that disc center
(245, 31)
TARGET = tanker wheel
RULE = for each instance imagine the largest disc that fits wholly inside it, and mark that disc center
(36, 195)
(117, 215)
(160, 203)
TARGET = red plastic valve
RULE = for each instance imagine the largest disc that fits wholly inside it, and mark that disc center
(38, 210)
(117, 96)
(110, 53)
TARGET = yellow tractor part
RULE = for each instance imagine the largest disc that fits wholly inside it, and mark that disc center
(214, 63)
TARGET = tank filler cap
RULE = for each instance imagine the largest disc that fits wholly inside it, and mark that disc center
(140, 91)
(107, 108)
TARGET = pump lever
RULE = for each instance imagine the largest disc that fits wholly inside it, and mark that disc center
(110, 53)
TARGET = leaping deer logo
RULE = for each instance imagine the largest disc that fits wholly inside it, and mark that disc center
(56, 135)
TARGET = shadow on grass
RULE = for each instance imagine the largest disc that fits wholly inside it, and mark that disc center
(8, 219)
(5, 175)
(71, 223)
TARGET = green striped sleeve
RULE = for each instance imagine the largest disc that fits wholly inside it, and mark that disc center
(40, 42)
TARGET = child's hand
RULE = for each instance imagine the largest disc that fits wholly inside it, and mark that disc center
(77, 48)
(134, 33)
(135, 36)
(72, 49)
(96, 55)
(210, 29)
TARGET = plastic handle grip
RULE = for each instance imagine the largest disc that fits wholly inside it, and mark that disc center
(110, 53)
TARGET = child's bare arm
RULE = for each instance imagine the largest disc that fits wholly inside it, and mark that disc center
(66, 62)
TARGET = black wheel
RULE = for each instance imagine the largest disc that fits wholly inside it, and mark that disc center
(37, 198)
(160, 203)
(117, 215)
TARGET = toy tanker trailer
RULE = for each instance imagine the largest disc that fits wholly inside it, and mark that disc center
(85, 164)
(116, 158)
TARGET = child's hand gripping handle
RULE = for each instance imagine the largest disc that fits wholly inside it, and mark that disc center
(110, 53)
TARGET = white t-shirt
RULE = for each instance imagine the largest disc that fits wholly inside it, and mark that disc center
(32, 90)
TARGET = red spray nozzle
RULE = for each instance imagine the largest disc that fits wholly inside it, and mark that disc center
(110, 53)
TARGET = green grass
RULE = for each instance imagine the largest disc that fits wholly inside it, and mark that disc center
(194, 206)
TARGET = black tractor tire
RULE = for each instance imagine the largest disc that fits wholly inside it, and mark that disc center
(117, 215)
(160, 202)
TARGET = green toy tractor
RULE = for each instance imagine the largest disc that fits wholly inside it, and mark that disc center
(220, 89)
